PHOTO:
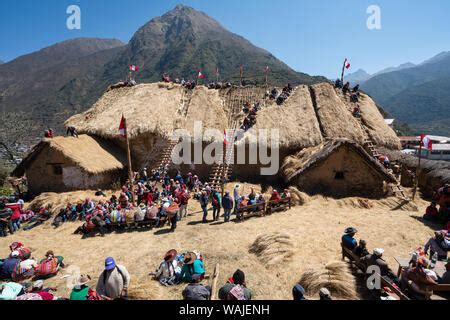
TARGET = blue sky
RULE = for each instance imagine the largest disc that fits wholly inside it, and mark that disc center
(311, 36)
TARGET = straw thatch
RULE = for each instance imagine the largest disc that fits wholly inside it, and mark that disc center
(335, 276)
(148, 108)
(54, 202)
(295, 120)
(307, 118)
(334, 117)
(312, 157)
(91, 154)
(273, 248)
(380, 133)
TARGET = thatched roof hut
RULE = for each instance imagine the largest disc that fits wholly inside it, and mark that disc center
(68, 163)
(310, 116)
(337, 168)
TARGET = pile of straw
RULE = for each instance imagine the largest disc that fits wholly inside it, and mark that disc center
(57, 201)
(273, 248)
(335, 276)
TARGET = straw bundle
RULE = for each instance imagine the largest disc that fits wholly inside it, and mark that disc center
(273, 248)
(335, 276)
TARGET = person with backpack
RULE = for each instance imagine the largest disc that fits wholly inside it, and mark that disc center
(204, 200)
(227, 204)
(235, 289)
(216, 204)
(114, 281)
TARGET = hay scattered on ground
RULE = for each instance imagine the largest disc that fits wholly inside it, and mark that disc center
(273, 248)
(335, 276)
(145, 289)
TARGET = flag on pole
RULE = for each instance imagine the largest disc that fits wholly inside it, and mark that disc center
(426, 142)
(347, 64)
(267, 69)
(225, 137)
(134, 68)
(200, 75)
(123, 128)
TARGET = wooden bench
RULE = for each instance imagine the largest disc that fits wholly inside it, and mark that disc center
(283, 205)
(355, 260)
(262, 209)
(252, 211)
(136, 225)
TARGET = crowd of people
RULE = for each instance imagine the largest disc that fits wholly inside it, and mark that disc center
(283, 96)
(418, 275)
(188, 84)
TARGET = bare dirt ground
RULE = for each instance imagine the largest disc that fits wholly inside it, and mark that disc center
(315, 230)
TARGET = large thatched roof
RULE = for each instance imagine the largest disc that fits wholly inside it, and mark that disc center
(91, 154)
(310, 158)
(310, 116)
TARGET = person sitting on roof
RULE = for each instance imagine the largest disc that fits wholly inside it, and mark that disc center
(432, 213)
(348, 239)
(356, 88)
(357, 111)
(273, 94)
(72, 131)
(346, 88)
(235, 289)
(193, 269)
(338, 83)
(354, 97)
(48, 133)
(167, 271)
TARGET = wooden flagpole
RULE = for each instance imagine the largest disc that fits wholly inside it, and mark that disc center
(242, 74)
(343, 71)
(416, 182)
(267, 77)
(130, 169)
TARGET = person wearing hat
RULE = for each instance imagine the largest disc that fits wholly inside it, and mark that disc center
(193, 269)
(227, 204)
(38, 288)
(298, 292)
(376, 259)
(235, 288)
(114, 281)
(348, 239)
(204, 200)
(438, 244)
(324, 294)
(81, 290)
(166, 272)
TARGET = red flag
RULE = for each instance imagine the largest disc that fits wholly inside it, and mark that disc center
(347, 64)
(134, 68)
(426, 142)
(201, 75)
(225, 137)
(123, 128)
